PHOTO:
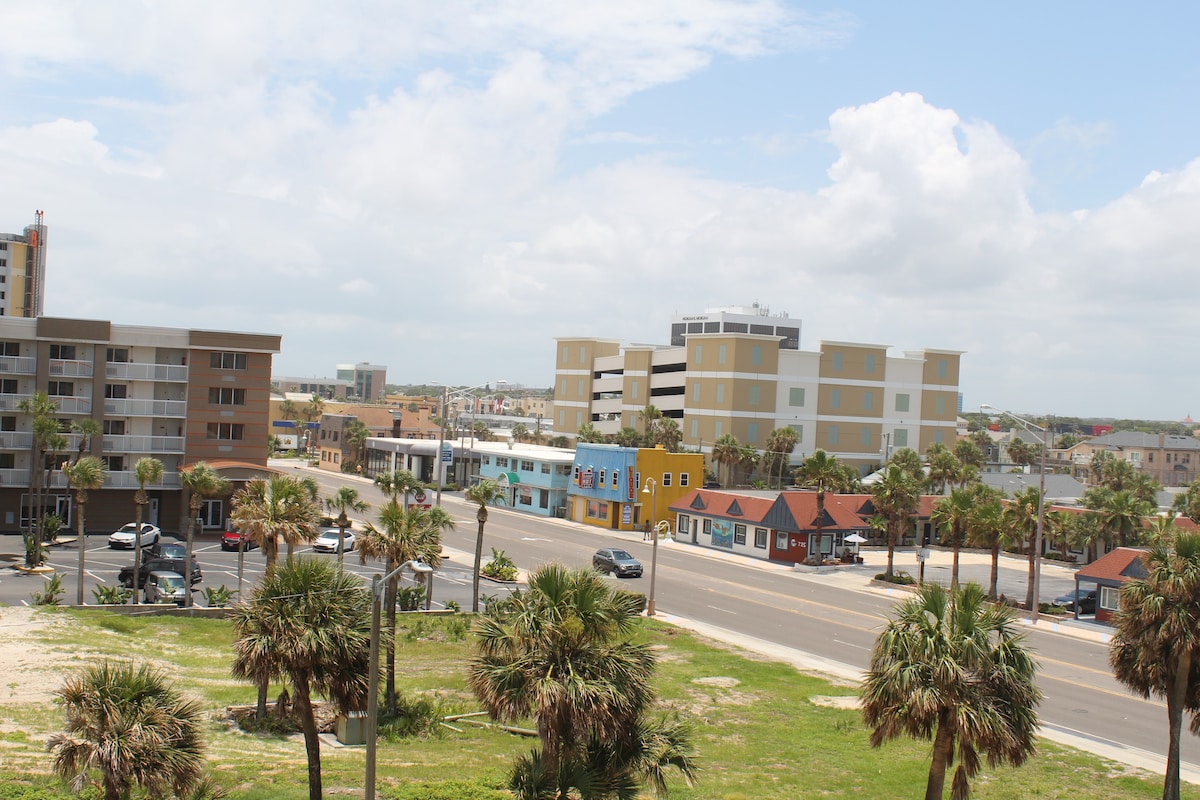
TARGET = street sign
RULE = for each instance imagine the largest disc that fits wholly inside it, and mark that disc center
(922, 554)
(447, 455)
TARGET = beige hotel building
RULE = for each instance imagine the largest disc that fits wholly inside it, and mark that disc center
(741, 371)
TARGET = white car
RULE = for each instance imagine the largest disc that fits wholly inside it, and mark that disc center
(327, 542)
(123, 538)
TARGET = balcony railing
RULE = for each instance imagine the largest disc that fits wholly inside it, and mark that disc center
(142, 444)
(70, 369)
(112, 480)
(72, 405)
(19, 365)
(15, 440)
(128, 407)
(146, 372)
(14, 477)
(9, 402)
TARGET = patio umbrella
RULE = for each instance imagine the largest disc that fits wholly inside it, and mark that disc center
(854, 538)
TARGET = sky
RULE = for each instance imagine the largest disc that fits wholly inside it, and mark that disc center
(444, 187)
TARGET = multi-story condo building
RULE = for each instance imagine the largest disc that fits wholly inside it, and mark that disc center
(178, 395)
(23, 270)
(326, 388)
(366, 382)
(853, 400)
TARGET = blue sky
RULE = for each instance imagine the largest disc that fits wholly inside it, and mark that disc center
(445, 187)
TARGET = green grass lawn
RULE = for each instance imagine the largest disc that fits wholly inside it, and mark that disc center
(764, 729)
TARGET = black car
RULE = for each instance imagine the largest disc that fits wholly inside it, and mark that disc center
(1085, 597)
(167, 550)
(153, 563)
(617, 561)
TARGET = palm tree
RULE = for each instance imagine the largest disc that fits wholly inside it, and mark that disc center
(969, 453)
(627, 437)
(356, 435)
(397, 485)
(46, 436)
(896, 495)
(563, 653)
(1123, 514)
(520, 432)
(953, 666)
(944, 467)
(281, 507)
(649, 417)
(145, 470)
(129, 725)
(309, 624)
(343, 501)
(485, 492)
(953, 514)
(669, 434)
(402, 535)
(781, 444)
(1156, 647)
(1187, 503)
(84, 475)
(588, 433)
(821, 472)
(86, 429)
(727, 451)
(909, 460)
(985, 528)
(1021, 518)
(1022, 452)
(202, 482)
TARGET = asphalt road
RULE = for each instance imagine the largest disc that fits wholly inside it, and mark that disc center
(831, 617)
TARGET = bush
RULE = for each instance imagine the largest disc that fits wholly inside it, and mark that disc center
(500, 568)
(217, 596)
(415, 716)
(452, 605)
(410, 598)
(112, 595)
(52, 595)
(447, 790)
(899, 577)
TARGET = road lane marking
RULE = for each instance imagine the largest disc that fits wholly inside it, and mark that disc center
(725, 610)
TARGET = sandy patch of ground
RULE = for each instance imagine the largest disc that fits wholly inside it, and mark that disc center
(29, 670)
(834, 701)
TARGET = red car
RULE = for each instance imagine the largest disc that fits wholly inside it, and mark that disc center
(231, 540)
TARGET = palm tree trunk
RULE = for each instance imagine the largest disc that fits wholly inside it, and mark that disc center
(260, 708)
(954, 564)
(943, 749)
(187, 559)
(994, 577)
(137, 554)
(482, 518)
(1176, 698)
(1029, 599)
(390, 689)
(891, 534)
(312, 744)
(82, 549)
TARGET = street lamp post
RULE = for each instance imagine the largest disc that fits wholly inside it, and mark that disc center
(651, 488)
(377, 583)
(446, 395)
(1041, 510)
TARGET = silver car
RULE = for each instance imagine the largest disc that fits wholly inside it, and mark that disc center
(165, 587)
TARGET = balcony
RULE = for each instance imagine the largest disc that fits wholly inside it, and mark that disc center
(14, 477)
(15, 440)
(64, 368)
(9, 402)
(127, 407)
(125, 370)
(142, 444)
(112, 480)
(18, 365)
(72, 405)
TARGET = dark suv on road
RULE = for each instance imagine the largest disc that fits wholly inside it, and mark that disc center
(617, 561)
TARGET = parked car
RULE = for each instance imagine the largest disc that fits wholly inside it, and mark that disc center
(327, 542)
(169, 550)
(159, 564)
(1086, 598)
(231, 539)
(163, 586)
(123, 538)
(617, 561)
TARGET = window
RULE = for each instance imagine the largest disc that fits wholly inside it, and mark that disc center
(760, 538)
(696, 392)
(114, 427)
(226, 396)
(545, 469)
(8, 461)
(720, 393)
(708, 527)
(900, 437)
(781, 540)
(562, 388)
(720, 354)
(868, 401)
(695, 429)
(869, 363)
(565, 354)
(333, 435)
(226, 430)
(10, 348)
(487, 460)
(612, 479)
(756, 355)
(582, 354)
(633, 389)
(114, 463)
(66, 352)
(718, 428)
(525, 498)
(116, 391)
(60, 388)
(1110, 598)
(8, 386)
(796, 397)
(227, 360)
(864, 437)
(579, 388)
(699, 351)
(526, 466)
(602, 476)
(937, 436)
(799, 429)
(755, 393)
(684, 477)
(8, 423)
(751, 432)
(939, 404)
(685, 522)
(118, 355)
(739, 534)
(835, 398)
(836, 360)
(833, 434)
(502, 461)
(902, 402)
(941, 368)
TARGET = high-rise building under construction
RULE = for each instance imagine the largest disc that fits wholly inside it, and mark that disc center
(23, 270)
